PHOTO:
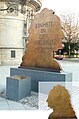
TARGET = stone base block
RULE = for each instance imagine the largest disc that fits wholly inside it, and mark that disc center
(41, 76)
(18, 87)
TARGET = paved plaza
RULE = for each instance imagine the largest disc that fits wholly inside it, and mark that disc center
(31, 103)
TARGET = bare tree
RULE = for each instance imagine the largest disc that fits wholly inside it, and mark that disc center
(70, 28)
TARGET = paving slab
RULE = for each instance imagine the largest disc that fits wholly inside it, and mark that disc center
(2, 99)
(15, 105)
(4, 105)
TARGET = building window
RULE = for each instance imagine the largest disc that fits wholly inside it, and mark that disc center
(12, 53)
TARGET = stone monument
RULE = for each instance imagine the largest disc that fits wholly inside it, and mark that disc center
(59, 100)
(45, 36)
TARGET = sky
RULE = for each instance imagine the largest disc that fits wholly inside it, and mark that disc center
(62, 6)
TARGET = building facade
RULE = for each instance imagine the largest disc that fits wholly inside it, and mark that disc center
(15, 19)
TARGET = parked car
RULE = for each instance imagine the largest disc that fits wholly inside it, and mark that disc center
(58, 57)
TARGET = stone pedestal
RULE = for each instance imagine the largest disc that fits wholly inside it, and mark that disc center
(41, 76)
(18, 87)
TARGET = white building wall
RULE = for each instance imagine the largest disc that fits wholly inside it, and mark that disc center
(11, 32)
(5, 56)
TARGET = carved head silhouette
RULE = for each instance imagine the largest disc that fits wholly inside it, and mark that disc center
(58, 96)
(59, 100)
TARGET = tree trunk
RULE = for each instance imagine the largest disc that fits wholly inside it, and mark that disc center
(69, 51)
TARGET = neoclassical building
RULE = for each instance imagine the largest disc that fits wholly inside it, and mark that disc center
(15, 19)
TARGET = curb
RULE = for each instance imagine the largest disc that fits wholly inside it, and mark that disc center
(72, 60)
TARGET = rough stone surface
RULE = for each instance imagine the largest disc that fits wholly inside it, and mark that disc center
(59, 100)
(45, 36)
